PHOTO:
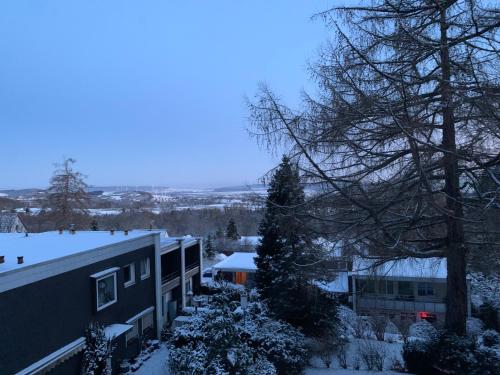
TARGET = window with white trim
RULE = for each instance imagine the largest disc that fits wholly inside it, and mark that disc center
(145, 268)
(129, 275)
(106, 291)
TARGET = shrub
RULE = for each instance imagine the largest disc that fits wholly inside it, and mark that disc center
(372, 354)
(474, 326)
(379, 325)
(226, 339)
(489, 338)
(423, 330)
(488, 313)
(450, 354)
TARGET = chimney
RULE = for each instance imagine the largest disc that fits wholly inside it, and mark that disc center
(26, 234)
(61, 231)
(112, 231)
(125, 232)
(72, 231)
(20, 260)
(2, 259)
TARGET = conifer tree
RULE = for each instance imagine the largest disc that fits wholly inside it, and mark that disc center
(232, 231)
(209, 247)
(98, 351)
(286, 255)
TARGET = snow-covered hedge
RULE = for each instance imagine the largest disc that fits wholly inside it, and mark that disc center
(229, 340)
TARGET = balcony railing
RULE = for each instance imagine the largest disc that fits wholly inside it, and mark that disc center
(400, 305)
(191, 266)
(169, 277)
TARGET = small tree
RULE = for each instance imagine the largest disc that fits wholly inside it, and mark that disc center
(94, 225)
(98, 351)
(209, 247)
(67, 193)
(232, 231)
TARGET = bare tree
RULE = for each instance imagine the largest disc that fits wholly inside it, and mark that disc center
(67, 193)
(404, 129)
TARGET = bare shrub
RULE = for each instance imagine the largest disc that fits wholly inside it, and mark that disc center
(361, 328)
(342, 356)
(378, 325)
(373, 354)
(403, 328)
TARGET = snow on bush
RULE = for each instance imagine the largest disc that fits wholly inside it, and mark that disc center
(485, 288)
(422, 330)
(474, 326)
(226, 339)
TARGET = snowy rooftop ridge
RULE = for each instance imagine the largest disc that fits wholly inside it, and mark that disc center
(408, 267)
(38, 248)
(238, 262)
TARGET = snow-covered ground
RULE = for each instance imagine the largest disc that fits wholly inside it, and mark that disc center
(157, 364)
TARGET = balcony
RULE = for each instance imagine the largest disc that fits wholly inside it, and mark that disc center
(192, 269)
(170, 281)
(402, 305)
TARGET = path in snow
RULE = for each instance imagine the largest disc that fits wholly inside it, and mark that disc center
(157, 364)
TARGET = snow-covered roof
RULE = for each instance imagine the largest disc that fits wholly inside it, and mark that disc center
(238, 262)
(41, 247)
(339, 285)
(115, 330)
(433, 268)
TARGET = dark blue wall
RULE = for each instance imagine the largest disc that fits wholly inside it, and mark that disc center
(39, 318)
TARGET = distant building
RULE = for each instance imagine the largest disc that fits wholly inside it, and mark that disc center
(408, 289)
(238, 268)
(11, 223)
(52, 285)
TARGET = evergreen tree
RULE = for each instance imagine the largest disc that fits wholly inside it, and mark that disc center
(219, 233)
(232, 231)
(209, 247)
(98, 350)
(285, 257)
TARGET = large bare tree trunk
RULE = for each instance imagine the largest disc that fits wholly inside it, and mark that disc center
(456, 301)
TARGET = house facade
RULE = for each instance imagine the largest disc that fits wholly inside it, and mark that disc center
(238, 268)
(53, 285)
(408, 289)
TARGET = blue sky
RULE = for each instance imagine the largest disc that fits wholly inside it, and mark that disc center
(145, 92)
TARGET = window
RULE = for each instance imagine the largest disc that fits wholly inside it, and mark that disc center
(425, 289)
(385, 287)
(129, 275)
(133, 333)
(145, 268)
(367, 286)
(405, 288)
(106, 291)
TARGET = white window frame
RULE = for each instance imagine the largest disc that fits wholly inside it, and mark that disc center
(132, 275)
(148, 268)
(99, 308)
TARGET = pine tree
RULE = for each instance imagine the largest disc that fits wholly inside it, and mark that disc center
(232, 231)
(285, 258)
(209, 247)
(98, 350)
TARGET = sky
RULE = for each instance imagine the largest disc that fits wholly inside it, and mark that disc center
(146, 92)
